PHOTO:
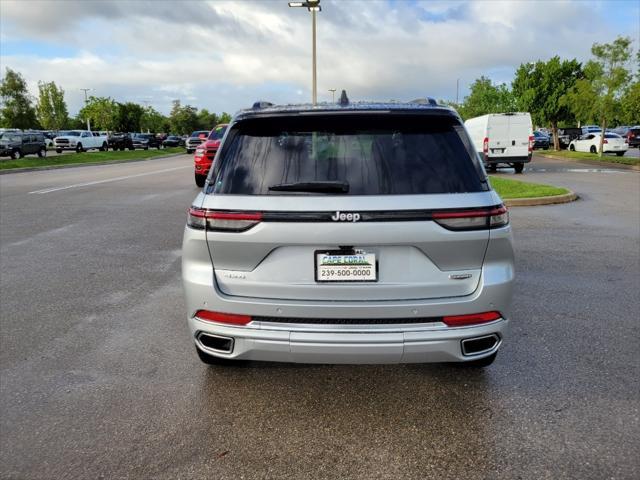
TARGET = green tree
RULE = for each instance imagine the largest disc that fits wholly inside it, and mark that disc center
(224, 117)
(597, 95)
(17, 108)
(128, 117)
(152, 120)
(539, 88)
(630, 105)
(183, 119)
(102, 112)
(485, 97)
(206, 120)
(51, 108)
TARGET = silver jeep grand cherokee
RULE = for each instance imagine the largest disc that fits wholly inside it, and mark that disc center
(348, 233)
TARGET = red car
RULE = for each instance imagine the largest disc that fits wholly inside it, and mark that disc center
(205, 153)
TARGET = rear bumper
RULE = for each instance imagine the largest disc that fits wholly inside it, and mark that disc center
(495, 160)
(373, 344)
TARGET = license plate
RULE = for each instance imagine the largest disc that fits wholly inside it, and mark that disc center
(341, 266)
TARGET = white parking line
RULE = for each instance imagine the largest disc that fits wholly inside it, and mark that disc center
(115, 179)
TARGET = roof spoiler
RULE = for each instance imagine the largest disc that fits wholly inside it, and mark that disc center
(260, 104)
(425, 101)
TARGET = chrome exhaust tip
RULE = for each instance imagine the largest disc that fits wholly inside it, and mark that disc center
(480, 345)
(215, 343)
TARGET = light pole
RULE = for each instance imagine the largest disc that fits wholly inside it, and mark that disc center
(85, 90)
(333, 95)
(313, 6)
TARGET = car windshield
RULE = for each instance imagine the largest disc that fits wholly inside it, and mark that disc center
(200, 134)
(69, 133)
(9, 137)
(611, 135)
(372, 155)
(217, 133)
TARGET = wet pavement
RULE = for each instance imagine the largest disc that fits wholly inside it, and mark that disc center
(99, 378)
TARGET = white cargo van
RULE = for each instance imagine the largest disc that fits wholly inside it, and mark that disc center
(502, 138)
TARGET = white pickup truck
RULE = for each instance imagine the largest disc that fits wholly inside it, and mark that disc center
(80, 140)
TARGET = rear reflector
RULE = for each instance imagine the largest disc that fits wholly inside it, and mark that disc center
(472, 319)
(200, 218)
(473, 219)
(218, 317)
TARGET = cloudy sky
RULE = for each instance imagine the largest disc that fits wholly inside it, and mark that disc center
(223, 55)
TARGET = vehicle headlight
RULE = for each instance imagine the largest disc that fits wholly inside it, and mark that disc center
(199, 151)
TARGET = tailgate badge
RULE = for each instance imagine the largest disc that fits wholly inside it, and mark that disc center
(459, 276)
(345, 217)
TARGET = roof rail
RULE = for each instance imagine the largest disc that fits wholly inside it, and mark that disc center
(425, 101)
(261, 104)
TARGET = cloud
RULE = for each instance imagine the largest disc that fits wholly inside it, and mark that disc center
(224, 55)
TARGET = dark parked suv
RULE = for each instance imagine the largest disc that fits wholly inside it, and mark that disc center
(18, 144)
(120, 141)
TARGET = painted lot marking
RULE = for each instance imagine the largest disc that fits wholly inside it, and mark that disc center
(97, 182)
(576, 170)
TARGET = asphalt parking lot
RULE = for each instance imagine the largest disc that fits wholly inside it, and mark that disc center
(99, 378)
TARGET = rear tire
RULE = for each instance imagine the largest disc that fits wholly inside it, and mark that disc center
(200, 179)
(211, 360)
(493, 167)
(572, 148)
(519, 167)
(593, 149)
(104, 148)
(16, 154)
(481, 362)
(79, 148)
(58, 150)
(42, 152)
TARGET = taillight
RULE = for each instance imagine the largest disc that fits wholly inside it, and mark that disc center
(605, 141)
(201, 219)
(472, 319)
(531, 142)
(473, 219)
(485, 146)
(218, 317)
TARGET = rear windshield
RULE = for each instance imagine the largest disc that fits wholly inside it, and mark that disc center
(373, 155)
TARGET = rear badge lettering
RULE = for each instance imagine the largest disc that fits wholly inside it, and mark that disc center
(345, 217)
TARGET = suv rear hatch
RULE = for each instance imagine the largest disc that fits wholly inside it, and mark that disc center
(291, 193)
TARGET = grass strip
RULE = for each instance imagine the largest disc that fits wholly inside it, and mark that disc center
(86, 157)
(507, 188)
(625, 160)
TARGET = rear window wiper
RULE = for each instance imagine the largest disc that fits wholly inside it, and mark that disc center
(324, 187)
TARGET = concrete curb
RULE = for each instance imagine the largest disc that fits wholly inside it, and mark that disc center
(91, 164)
(621, 166)
(550, 200)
